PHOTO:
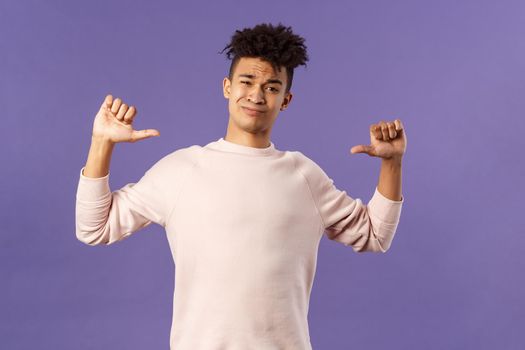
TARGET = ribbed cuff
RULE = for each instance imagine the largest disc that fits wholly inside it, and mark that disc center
(93, 189)
(385, 209)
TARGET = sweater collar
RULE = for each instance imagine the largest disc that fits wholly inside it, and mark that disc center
(228, 146)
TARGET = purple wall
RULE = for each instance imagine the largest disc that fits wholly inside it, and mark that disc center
(453, 72)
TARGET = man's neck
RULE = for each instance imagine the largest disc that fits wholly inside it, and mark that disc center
(250, 140)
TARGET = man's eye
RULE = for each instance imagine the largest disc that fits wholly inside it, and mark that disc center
(271, 88)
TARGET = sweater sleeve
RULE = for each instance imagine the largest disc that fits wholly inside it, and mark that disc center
(365, 227)
(105, 217)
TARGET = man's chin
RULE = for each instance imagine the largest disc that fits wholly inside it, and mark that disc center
(253, 127)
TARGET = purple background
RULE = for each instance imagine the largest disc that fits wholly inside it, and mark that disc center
(452, 71)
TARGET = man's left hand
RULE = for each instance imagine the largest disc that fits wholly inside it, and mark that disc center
(387, 141)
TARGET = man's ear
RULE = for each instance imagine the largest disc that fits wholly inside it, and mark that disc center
(226, 85)
(286, 101)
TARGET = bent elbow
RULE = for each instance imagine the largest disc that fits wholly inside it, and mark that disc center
(372, 246)
(381, 247)
(362, 233)
(91, 237)
(375, 241)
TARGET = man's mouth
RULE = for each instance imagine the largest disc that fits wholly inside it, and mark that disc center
(252, 112)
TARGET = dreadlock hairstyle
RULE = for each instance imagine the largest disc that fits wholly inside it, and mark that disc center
(277, 45)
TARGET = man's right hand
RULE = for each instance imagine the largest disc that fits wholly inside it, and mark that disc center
(113, 123)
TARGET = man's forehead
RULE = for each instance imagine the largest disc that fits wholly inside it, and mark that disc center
(257, 68)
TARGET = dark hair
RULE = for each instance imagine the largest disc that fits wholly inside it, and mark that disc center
(277, 45)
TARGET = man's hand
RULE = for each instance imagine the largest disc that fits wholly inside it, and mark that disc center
(113, 123)
(387, 141)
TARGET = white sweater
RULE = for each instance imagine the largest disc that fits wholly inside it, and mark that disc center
(244, 226)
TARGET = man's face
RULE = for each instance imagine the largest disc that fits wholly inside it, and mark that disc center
(256, 95)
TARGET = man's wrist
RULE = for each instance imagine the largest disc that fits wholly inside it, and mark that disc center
(393, 161)
(101, 141)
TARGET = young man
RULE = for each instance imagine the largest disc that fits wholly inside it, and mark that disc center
(243, 219)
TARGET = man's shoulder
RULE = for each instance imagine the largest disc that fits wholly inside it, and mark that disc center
(317, 181)
(183, 154)
(304, 163)
(178, 159)
(316, 177)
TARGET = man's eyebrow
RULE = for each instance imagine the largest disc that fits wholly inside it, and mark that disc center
(251, 76)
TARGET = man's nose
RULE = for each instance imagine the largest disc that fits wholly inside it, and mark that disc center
(256, 95)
